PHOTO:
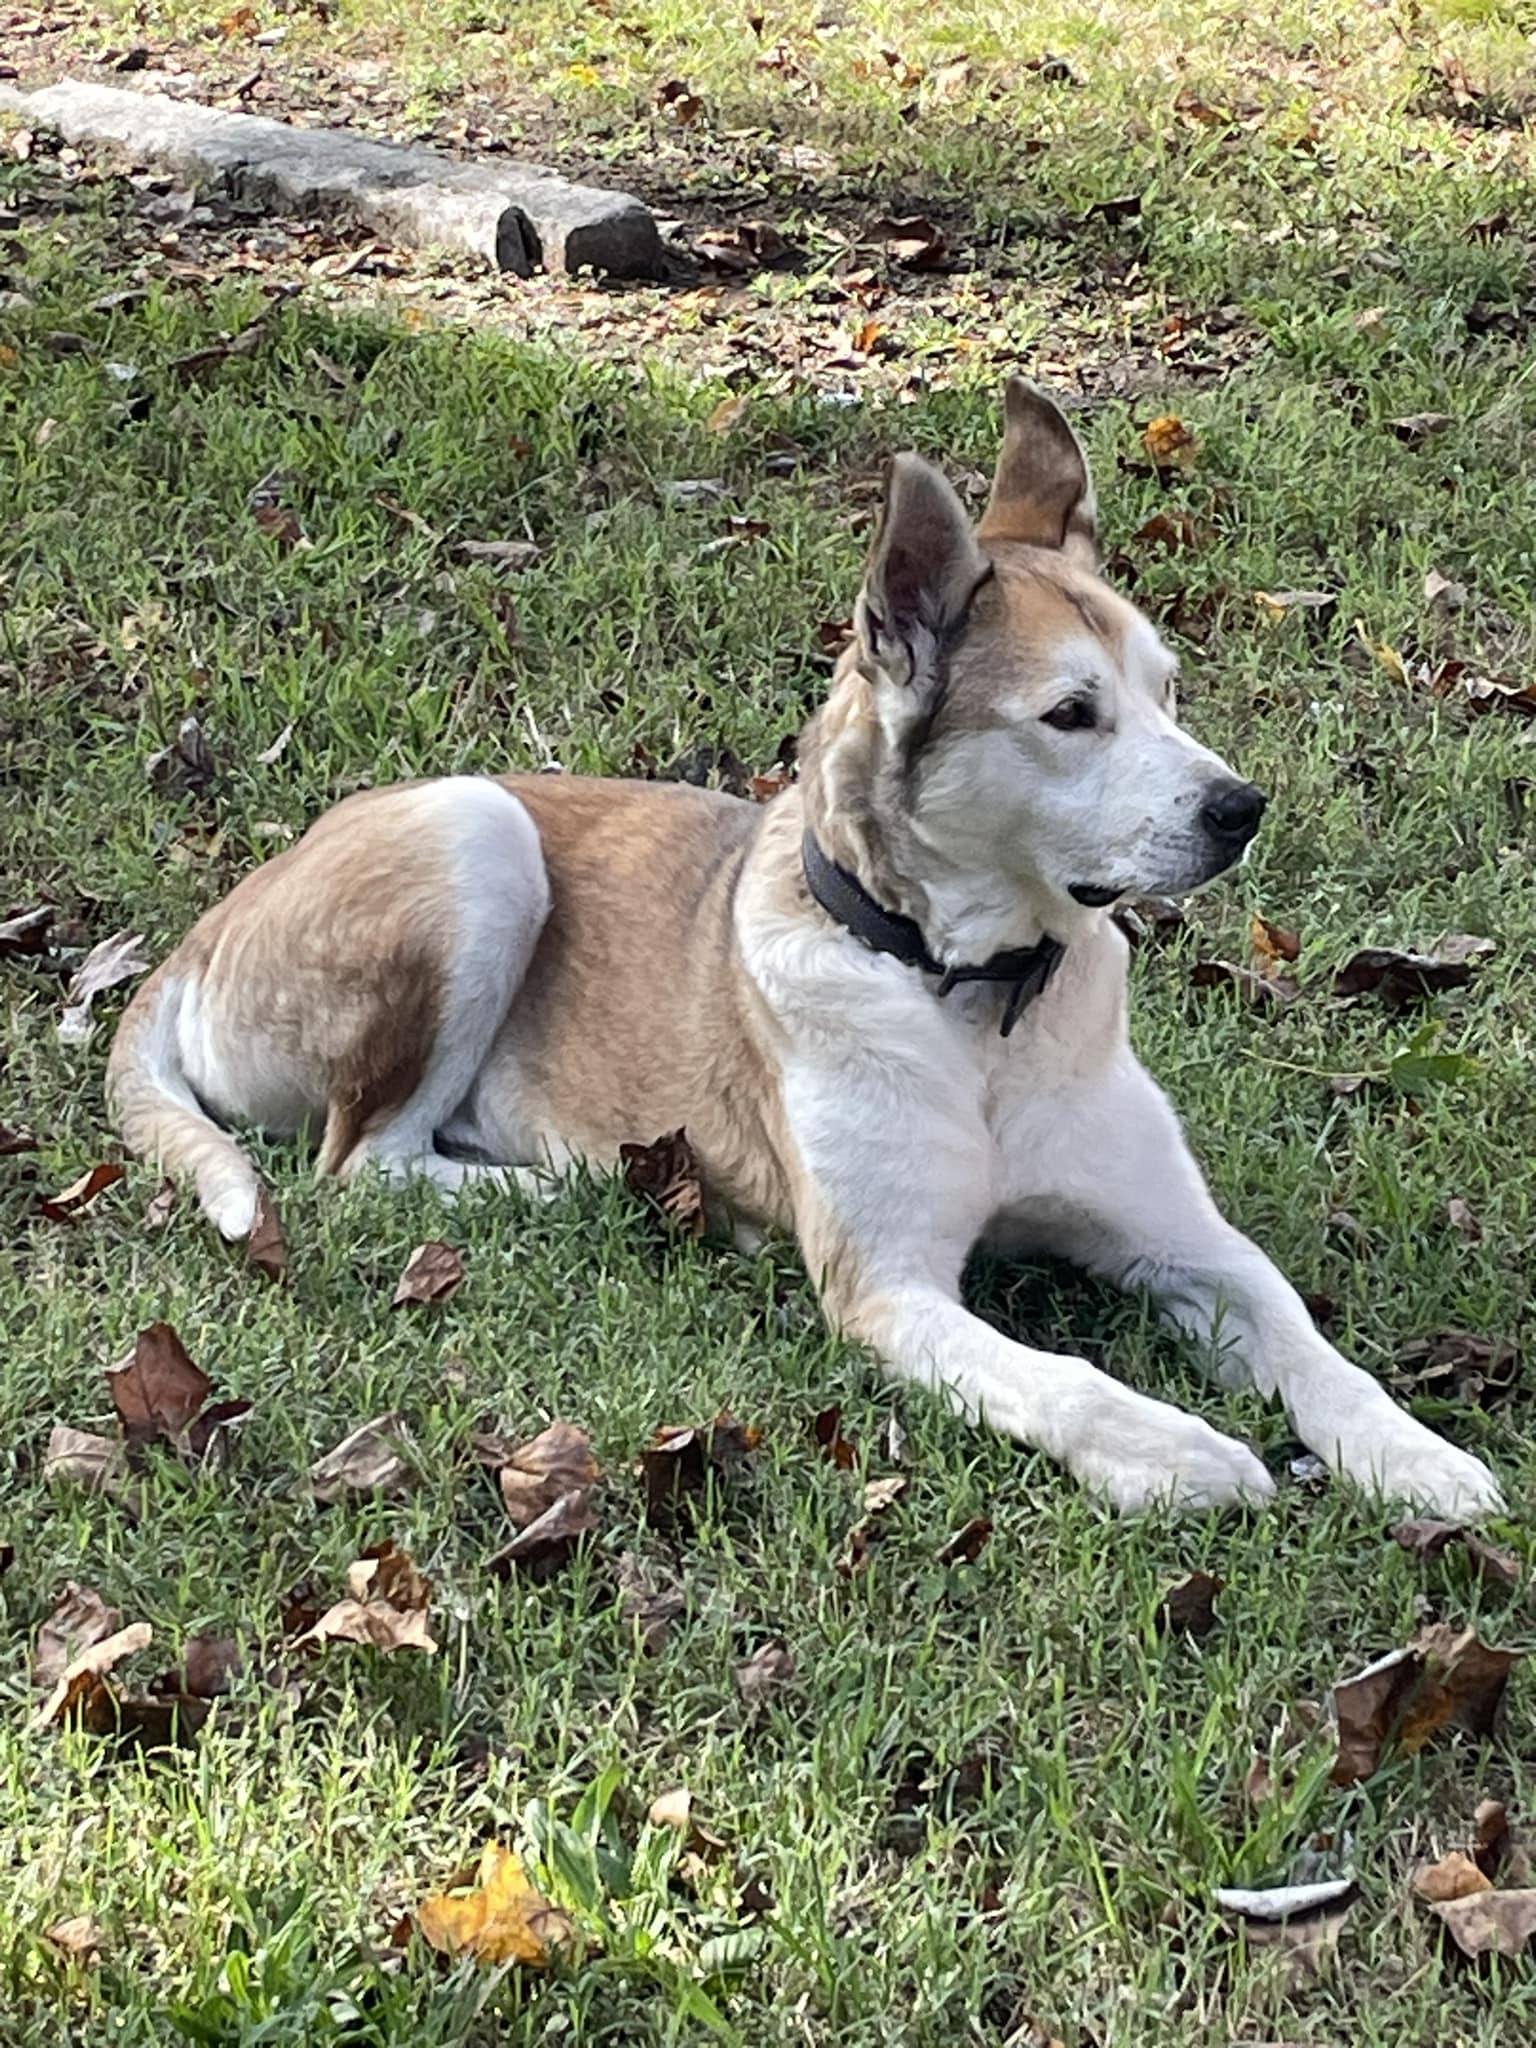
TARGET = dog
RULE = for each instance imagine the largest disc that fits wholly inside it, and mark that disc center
(889, 1007)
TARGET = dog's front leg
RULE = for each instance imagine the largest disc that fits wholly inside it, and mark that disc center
(1149, 1221)
(885, 1236)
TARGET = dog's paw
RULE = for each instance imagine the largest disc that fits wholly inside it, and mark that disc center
(1175, 1460)
(1401, 1460)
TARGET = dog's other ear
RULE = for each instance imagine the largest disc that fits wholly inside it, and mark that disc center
(1042, 492)
(922, 573)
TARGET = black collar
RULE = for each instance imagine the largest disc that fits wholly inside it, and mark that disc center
(844, 897)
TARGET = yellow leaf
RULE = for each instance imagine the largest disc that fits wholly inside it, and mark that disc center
(730, 412)
(8, 357)
(584, 74)
(1392, 662)
(500, 1918)
(1168, 441)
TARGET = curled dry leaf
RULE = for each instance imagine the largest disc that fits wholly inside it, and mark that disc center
(536, 1474)
(208, 1663)
(387, 1607)
(912, 241)
(1404, 978)
(666, 1175)
(78, 1938)
(114, 960)
(1463, 1218)
(967, 1544)
(187, 764)
(505, 554)
(25, 936)
(99, 1463)
(495, 1917)
(1494, 693)
(1425, 1537)
(1444, 1678)
(80, 1618)
(1173, 532)
(157, 1390)
(162, 1206)
(676, 1467)
(1265, 991)
(1279, 604)
(433, 1272)
(370, 1460)
(840, 1450)
(1456, 1363)
(74, 1200)
(550, 1539)
(1189, 1606)
(1273, 942)
(15, 1140)
(1299, 1924)
(264, 1247)
(81, 1684)
(1414, 428)
(766, 1672)
(880, 1495)
(859, 1550)
(1148, 920)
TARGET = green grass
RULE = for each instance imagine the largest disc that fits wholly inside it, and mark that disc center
(243, 1887)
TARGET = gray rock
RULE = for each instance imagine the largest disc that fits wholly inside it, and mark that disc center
(515, 216)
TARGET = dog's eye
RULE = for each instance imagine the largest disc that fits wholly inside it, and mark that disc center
(1073, 714)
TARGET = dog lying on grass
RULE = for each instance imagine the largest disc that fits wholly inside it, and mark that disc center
(889, 1008)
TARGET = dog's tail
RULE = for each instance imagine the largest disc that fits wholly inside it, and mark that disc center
(161, 1118)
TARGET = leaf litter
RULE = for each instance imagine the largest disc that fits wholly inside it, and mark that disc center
(115, 960)
(493, 1914)
(433, 1272)
(387, 1606)
(547, 1487)
(1444, 1678)
(370, 1460)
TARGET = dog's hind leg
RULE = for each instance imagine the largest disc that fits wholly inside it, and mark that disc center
(403, 1092)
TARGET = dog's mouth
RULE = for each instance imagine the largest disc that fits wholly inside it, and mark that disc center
(1096, 895)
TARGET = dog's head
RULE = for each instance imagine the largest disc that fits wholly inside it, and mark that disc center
(1026, 709)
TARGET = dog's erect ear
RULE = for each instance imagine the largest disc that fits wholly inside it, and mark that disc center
(922, 574)
(1042, 492)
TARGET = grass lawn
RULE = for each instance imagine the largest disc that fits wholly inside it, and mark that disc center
(992, 1802)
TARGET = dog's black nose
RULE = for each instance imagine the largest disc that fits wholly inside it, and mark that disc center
(1232, 814)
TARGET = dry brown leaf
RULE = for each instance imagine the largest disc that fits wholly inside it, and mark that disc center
(186, 765)
(550, 1539)
(1493, 693)
(650, 1597)
(498, 1917)
(1414, 428)
(1300, 1924)
(1491, 1923)
(1463, 1218)
(1404, 978)
(536, 1474)
(114, 960)
(25, 936)
(729, 413)
(1258, 1783)
(80, 1618)
(1454, 1877)
(880, 1495)
(1189, 1606)
(676, 1467)
(858, 1552)
(1279, 604)
(387, 1608)
(162, 1206)
(264, 1247)
(1479, 1370)
(79, 1684)
(74, 1200)
(1273, 942)
(1425, 1537)
(1168, 442)
(913, 241)
(828, 1431)
(967, 1544)
(665, 1174)
(157, 1390)
(79, 1938)
(1266, 991)
(14, 1141)
(505, 554)
(369, 1460)
(433, 1272)
(97, 1462)
(766, 1672)
(208, 1663)
(1444, 1678)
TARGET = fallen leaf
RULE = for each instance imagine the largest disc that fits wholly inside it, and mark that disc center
(279, 523)
(433, 1272)
(550, 1539)
(208, 1663)
(1189, 1605)
(766, 1672)
(1491, 1923)
(1454, 1877)
(1493, 1839)
(162, 1206)
(506, 554)
(677, 1466)
(387, 1607)
(114, 960)
(881, 1495)
(264, 1247)
(80, 1684)
(1300, 1924)
(665, 1174)
(1121, 207)
(859, 1549)
(498, 1917)
(1491, 693)
(25, 935)
(1258, 1785)
(79, 1938)
(1462, 1218)
(1148, 920)
(1266, 991)
(1478, 1370)
(1272, 942)
(1414, 428)
(1404, 978)
(99, 1463)
(828, 1431)
(369, 1460)
(678, 103)
(1425, 1537)
(1168, 442)
(967, 1544)
(729, 413)
(157, 1390)
(1442, 1679)
(1173, 532)
(650, 1597)
(1279, 604)
(913, 241)
(72, 1201)
(80, 1618)
(187, 764)
(537, 1474)
(1442, 594)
